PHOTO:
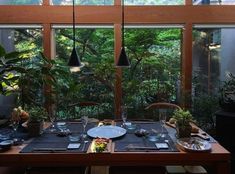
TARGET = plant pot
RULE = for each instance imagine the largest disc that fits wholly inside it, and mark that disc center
(35, 128)
(183, 131)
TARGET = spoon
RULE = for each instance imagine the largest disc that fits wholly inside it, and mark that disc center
(84, 145)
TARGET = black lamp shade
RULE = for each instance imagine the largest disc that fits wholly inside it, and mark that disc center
(74, 60)
(123, 61)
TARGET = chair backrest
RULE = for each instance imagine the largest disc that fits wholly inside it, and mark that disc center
(161, 107)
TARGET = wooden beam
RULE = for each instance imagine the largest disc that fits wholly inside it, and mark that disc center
(110, 14)
(118, 73)
(186, 65)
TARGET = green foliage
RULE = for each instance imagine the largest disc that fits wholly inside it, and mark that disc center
(183, 117)
(227, 94)
(42, 72)
(10, 70)
(203, 109)
(37, 114)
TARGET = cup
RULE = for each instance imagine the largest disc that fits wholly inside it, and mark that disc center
(74, 138)
(153, 136)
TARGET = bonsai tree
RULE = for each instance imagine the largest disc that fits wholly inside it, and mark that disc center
(183, 119)
(227, 94)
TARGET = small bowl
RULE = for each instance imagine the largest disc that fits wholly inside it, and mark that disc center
(6, 144)
(153, 137)
(130, 127)
(74, 138)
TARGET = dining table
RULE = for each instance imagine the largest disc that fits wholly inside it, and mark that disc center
(50, 149)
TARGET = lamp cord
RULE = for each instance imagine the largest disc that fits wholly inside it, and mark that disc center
(73, 24)
(123, 41)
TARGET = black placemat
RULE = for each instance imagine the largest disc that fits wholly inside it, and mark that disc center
(7, 133)
(130, 138)
(51, 142)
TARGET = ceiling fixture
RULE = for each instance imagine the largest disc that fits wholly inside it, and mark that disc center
(74, 61)
(123, 60)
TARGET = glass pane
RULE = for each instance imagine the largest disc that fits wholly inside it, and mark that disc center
(17, 77)
(154, 75)
(154, 2)
(95, 82)
(20, 2)
(213, 2)
(213, 60)
(83, 2)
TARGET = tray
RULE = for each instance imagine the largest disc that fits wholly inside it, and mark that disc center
(92, 149)
(194, 144)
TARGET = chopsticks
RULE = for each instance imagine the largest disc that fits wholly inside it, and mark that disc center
(144, 148)
(49, 149)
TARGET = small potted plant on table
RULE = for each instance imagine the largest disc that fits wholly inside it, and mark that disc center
(36, 120)
(183, 119)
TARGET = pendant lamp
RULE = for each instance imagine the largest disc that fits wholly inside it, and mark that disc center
(123, 60)
(74, 61)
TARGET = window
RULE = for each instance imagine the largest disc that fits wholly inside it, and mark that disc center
(28, 41)
(95, 81)
(154, 75)
(213, 60)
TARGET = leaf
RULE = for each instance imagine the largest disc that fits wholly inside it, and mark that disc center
(15, 54)
(44, 58)
(2, 51)
(12, 61)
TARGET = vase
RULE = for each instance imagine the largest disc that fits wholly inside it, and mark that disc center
(183, 131)
(35, 129)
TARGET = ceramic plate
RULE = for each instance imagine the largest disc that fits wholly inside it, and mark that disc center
(106, 132)
(194, 144)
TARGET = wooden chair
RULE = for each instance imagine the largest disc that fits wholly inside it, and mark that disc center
(162, 107)
(168, 108)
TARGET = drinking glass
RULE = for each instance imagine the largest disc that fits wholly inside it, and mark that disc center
(52, 120)
(14, 124)
(162, 120)
(124, 114)
(84, 120)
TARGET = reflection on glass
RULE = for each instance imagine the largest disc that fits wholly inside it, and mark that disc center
(213, 59)
(154, 75)
(83, 2)
(95, 81)
(154, 2)
(213, 2)
(20, 2)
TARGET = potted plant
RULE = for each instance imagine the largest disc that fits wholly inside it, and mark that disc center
(36, 120)
(183, 119)
(227, 94)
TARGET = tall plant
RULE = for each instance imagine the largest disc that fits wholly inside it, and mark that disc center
(11, 70)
